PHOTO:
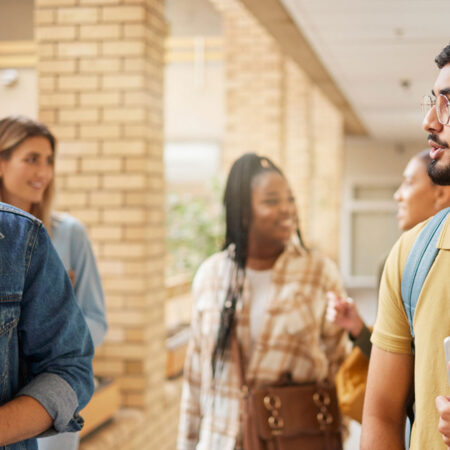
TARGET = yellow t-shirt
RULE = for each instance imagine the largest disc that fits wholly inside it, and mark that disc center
(431, 325)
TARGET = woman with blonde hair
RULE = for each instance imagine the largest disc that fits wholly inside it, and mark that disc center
(27, 161)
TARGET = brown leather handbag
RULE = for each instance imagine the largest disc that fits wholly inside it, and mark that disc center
(288, 416)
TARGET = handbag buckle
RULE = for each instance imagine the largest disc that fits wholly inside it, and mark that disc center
(321, 398)
(324, 417)
(276, 425)
(272, 402)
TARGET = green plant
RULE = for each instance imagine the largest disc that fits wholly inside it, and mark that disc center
(195, 229)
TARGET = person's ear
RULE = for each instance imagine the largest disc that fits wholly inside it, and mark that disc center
(442, 198)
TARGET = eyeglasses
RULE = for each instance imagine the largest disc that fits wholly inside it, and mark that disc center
(441, 102)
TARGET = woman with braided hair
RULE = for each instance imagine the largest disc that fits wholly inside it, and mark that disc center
(269, 291)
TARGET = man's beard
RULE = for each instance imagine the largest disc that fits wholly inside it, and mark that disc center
(440, 174)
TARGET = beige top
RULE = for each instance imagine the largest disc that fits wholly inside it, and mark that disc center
(431, 325)
(259, 282)
(294, 337)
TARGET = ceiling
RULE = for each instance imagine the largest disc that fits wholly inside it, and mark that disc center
(381, 54)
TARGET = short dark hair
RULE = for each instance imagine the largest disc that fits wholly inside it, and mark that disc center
(443, 58)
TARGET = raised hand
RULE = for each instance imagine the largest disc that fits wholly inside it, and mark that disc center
(343, 312)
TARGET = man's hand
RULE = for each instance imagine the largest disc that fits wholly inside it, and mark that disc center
(443, 407)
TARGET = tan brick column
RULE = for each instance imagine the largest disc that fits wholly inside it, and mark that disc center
(100, 70)
(312, 159)
(297, 154)
(274, 109)
(254, 86)
(326, 189)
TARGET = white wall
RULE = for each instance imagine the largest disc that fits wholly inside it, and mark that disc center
(192, 18)
(22, 96)
(194, 97)
(366, 158)
(194, 101)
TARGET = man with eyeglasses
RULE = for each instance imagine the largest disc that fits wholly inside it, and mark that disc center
(394, 367)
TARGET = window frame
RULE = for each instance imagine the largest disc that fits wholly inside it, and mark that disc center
(352, 206)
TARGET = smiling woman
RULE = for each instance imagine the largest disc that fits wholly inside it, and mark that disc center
(266, 294)
(27, 173)
(26, 166)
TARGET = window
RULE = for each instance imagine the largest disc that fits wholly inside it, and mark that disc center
(369, 229)
(191, 161)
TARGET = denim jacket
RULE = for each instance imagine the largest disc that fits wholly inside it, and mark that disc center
(45, 347)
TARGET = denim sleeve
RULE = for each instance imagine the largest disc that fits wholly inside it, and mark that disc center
(55, 341)
(87, 286)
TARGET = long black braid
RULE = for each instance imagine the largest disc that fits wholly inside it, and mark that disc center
(237, 202)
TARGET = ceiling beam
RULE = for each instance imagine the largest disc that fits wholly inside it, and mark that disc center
(273, 16)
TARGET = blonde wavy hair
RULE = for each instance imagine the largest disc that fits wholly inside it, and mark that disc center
(14, 130)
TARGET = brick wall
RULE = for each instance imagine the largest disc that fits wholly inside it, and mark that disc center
(100, 72)
(254, 86)
(297, 155)
(326, 188)
(312, 159)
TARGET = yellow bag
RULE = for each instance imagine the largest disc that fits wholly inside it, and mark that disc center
(351, 382)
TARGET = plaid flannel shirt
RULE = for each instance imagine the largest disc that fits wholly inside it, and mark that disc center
(295, 338)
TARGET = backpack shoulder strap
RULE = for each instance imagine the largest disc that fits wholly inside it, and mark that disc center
(419, 262)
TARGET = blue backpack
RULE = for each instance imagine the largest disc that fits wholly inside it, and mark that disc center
(420, 259)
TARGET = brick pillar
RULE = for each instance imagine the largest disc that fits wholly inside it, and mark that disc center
(274, 109)
(100, 71)
(313, 159)
(297, 155)
(327, 178)
(254, 86)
